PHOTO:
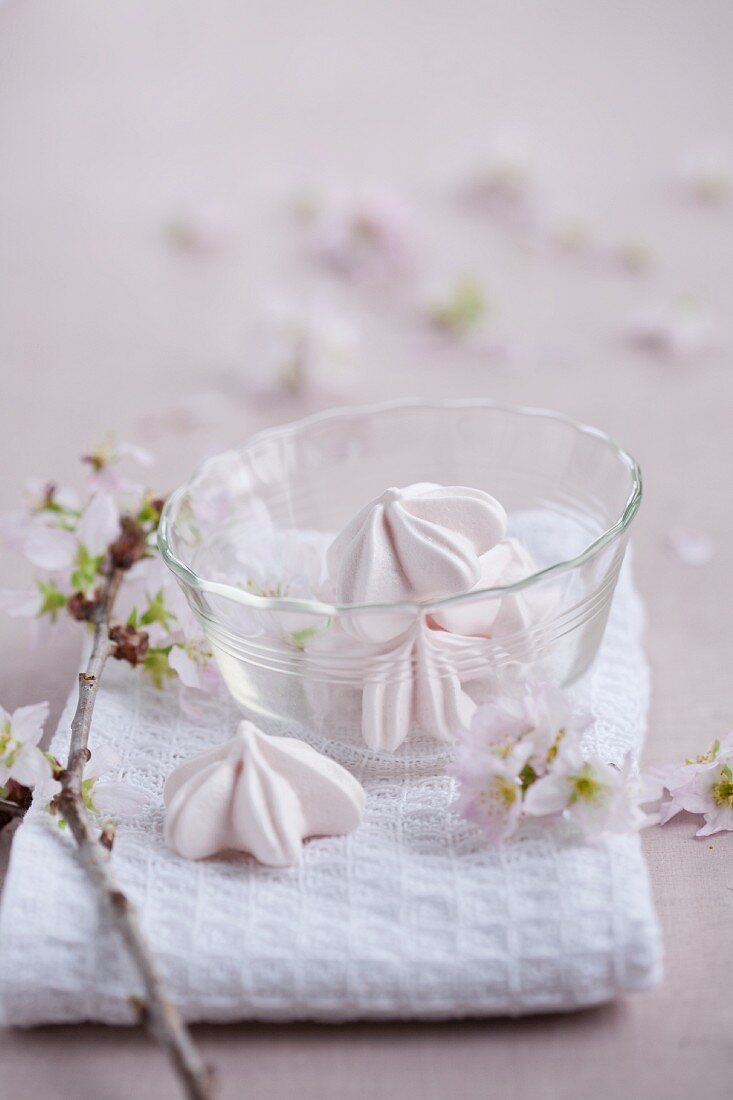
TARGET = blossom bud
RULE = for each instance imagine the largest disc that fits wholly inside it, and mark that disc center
(130, 545)
(82, 607)
(129, 644)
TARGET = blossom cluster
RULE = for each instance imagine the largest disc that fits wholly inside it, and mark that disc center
(74, 541)
(702, 785)
(523, 758)
(25, 766)
(361, 236)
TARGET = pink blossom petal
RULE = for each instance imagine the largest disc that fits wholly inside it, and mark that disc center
(45, 790)
(187, 669)
(548, 795)
(110, 480)
(140, 455)
(706, 176)
(14, 527)
(691, 547)
(30, 766)
(672, 332)
(716, 821)
(649, 789)
(210, 677)
(158, 636)
(593, 820)
(189, 700)
(37, 490)
(120, 799)
(49, 547)
(669, 809)
(28, 722)
(21, 604)
(366, 235)
(198, 227)
(99, 524)
(103, 759)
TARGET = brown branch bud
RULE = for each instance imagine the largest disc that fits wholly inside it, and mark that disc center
(139, 1007)
(83, 608)
(130, 545)
(119, 900)
(129, 644)
(107, 837)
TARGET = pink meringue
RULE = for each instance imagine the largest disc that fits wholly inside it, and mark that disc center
(258, 794)
(418, 687)
(417, 543)
(505, 564)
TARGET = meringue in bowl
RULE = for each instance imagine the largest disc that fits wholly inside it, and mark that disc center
(366, 577)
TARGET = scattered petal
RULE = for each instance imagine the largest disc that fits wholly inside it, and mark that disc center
(504, 183)
(197, 228)
(119, 799)
(690, 546)
(458, 309)
(301, 346)
(680, 332)
(362, 236)
(706, 177)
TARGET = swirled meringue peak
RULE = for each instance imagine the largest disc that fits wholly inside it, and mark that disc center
(506, 564)
(258, 794)
(417, 543)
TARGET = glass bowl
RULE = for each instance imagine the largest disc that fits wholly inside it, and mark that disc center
(246, 537)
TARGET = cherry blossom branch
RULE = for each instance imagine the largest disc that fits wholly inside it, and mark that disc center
(158, 1011)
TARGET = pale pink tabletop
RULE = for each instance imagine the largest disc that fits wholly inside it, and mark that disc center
(112, 115)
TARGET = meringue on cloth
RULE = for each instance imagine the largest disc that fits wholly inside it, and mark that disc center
(417, 543)
(258, 794)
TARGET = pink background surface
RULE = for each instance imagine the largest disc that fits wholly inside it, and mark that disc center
(111, 116)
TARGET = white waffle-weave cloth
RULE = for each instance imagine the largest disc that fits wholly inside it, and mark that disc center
(412, 917)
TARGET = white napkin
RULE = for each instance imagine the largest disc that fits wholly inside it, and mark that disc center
(411, 917)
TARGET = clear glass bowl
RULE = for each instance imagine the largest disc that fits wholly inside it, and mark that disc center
(245, 538)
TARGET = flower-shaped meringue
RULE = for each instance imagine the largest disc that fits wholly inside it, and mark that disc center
(418, 686)
(417, 543)
(258, 794)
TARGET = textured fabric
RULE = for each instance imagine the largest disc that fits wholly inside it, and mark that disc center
(411, 917)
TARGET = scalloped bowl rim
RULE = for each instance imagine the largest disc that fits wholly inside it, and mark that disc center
(190, 578)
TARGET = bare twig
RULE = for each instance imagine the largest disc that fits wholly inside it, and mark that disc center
(158, 1012)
